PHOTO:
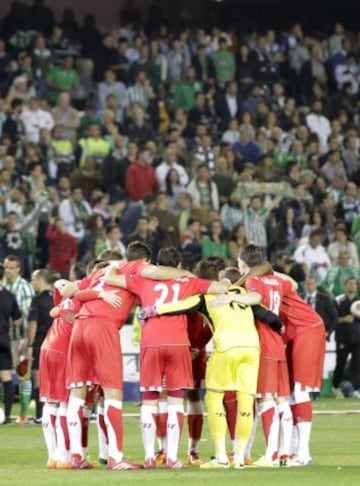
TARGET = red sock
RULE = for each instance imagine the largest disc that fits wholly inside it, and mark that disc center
(65, 431)
(302, 412)
(230, 406)
(195, 424)
(114, 416)
(85, 432)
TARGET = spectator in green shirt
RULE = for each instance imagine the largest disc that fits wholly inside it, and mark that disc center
(336, 276)
(224, 63)
(185, 90)
(62, 78)
(215, 244)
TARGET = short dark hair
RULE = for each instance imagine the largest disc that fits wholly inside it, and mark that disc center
(45, 275)
(107, 255)
(137, 250)
(79, 269)
(110, 227)
(169, 257)
(13, 258)
(251, 255)
(207, 270)
(232, 274)
(218, 261)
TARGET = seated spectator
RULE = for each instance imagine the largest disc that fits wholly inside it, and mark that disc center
(141, 91)
(337, 275)
(215, 243)
(94, 145)
(149, 232)
(167, 220)
(204, 152)
(342, 244)
(75, 211)
(247, 150)
(287, 232)
(251, 103)
(191, 239)
(351, 156)
(333, 166)
(139, 128)
(203, 190)
(186, 89)
(231, 135)
(88, 177)
(187, 211)
(319, 124)
(262, 69)
(20, 89)
(349, 205)
(170, 162)
(265, 170)
(179, 61)
(173, 188)
(200, 112)
(313, 256)
(35, 119)
(113, 240)
(229, 104)
(203, 65)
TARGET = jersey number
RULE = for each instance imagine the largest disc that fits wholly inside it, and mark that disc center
(275, 301)
(164, 293)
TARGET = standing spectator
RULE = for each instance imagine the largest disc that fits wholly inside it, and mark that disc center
(313, 255)
(351, 156)
(203, 65)
(333, 166)
(173, 188)
(186, 89)
(203, 190)
(110, 86)
(255, 217)
(229, 104)
(141, 91)
(337, 275)
(89, 178)
(319, 124)
(75, 211)
(232, 213)
(63, 247)
(178, 61)
(10, 317)
(167, 220)
(246, 149)
(62, 78)
(39, 324)
(215, 243)
(66, 116)
(23, 292)
(13, 126)
(237, 240)
(224, 63)
(35, 119)
(94, 145)
(141, 177)
(347, 336)
(322, 303)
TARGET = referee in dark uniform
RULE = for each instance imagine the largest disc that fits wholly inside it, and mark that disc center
(39, 321)
(9, 314)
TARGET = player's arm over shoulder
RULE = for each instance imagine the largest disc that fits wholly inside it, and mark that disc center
(289, 283)
(158, 272)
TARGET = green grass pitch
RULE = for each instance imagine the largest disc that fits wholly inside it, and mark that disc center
(335, 449)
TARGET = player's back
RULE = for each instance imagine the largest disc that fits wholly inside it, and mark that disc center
(58, 336)
(99, 308)
(198, 330)
(272, 290)
(165, 330)
(295, 312)
(233, 324)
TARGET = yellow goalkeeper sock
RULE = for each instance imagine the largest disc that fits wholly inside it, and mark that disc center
(217, 423)
(244, 424)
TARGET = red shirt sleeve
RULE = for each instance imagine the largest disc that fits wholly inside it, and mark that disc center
(253, 285)
(287, 287)
(133, 283)
(84, 283)
(199, 285)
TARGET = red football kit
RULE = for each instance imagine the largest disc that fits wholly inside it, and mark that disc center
(165, 345)
(199, 335)
(306, 341)
(273, 377)
(95, 353)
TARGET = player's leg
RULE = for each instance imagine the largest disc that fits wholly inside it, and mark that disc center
(195, 424)
(161, 428)
(148, 418)
(302, 413)
(5, 376)
(62, 438)
(25, 383)
(230, 405)
(49, 413)
(250, 444)
(174, 426)
(75, 415)
(285, 432)
(244, 424)
(36, 394)
(103, 440)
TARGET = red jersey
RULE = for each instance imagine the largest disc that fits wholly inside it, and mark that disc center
(58, 336)
(272, 290)
(99, 308)
(198, 330)
(295, 312)
(165, 330)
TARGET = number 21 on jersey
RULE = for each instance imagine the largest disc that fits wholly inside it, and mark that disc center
(167, 293)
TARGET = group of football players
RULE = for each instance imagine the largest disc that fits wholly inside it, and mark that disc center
(267, 343)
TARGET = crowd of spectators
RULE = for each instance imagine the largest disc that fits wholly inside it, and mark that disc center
(204, 139)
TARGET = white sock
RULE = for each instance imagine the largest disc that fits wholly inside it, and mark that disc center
(148, 429)
(102, 438)
(63, 454)
(286, 425)
(304, 431)
(294, 444)
(48, 421)
(174, 426)
(251, 440)
(75, 411)
(162, 409)
(273, 434)
(114, 428)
